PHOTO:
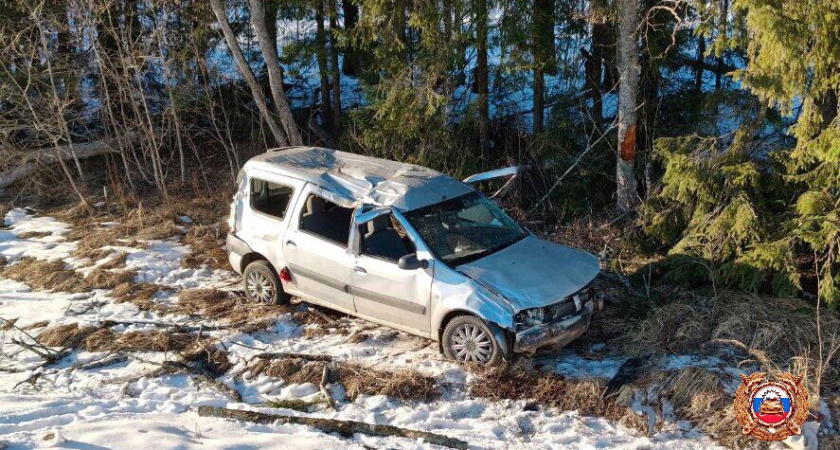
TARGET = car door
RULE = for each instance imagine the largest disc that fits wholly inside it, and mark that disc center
(265, 213)
(383, 291)
(316, 251)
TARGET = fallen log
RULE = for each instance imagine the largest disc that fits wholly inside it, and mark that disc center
(343, 427)
(30, 161)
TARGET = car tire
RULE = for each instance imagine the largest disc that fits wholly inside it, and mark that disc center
(467, 339)
(262, 286)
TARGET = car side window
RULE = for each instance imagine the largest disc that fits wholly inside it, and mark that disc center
(325, 219)
(270, 198)
(385, 238)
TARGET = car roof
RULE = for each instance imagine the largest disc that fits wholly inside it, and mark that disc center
(362, 179)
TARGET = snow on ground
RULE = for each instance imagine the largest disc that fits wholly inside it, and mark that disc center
(67, 406)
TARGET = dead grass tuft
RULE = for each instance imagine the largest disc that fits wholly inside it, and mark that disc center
(207, 248)
(208, 356)
(140, 294)
(137, 341)
(54, 276)
(519, 381)
(45, 275)
(70, 335)
(406, 385)
(33, 234)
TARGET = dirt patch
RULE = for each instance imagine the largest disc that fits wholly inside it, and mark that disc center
(70, 335)
(406, 385)
(137, 341)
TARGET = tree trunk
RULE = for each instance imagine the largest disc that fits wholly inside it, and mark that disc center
(724, 15)
(596, 74)
(245, 71)
(268, 48)
(539, 100)
(323, 69)
(58, 154)
(698, 70)
(482, 78)
(543, 51)
(352, 56)
(336, 71)
(628, 71)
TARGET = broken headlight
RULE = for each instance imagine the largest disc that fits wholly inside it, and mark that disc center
(530, 317)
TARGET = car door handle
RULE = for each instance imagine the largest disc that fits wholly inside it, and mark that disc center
(291, 244)
(360, 269)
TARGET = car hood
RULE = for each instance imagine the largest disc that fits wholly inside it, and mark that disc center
(534, 272)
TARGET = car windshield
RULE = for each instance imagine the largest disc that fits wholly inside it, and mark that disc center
(465, 228)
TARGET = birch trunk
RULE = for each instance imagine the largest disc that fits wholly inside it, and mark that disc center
(628, 71)
(245, 71)
(268, 47)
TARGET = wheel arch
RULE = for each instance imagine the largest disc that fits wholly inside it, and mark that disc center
(502, 336)
(250, 257)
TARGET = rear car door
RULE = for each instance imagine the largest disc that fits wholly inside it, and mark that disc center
(317, 253)
(381, 290)
(264, 217)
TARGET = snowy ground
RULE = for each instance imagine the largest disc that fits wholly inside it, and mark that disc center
(71, 407)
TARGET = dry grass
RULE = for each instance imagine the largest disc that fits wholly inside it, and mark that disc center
(220, 305)
(54, 276)
(34, 234)
(406, 385)
(207, 248)
(137, 341)
(140, 294)
(70, 335)
(519, 381)
(208, 356)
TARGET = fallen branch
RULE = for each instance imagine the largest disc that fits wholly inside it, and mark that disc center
(346, 428)
(31, 160)
(278, 355)
(325, 376)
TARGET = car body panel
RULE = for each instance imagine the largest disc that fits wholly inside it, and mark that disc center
(533, 272)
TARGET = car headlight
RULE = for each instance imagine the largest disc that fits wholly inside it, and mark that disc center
(531, 317)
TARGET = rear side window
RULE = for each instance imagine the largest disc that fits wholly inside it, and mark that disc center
(270, 198)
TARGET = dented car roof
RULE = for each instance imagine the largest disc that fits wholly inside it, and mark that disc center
(363, 179)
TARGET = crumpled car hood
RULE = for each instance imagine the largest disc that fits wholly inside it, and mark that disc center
(534, 272)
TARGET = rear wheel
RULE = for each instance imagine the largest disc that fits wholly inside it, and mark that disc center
(468, 339)
(262, 286)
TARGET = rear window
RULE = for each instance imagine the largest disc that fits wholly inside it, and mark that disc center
(270, 198)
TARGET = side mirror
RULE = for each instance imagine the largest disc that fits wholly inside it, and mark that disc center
(410, 262)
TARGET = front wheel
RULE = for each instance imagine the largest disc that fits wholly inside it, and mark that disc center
(468, 339)
(262, 286)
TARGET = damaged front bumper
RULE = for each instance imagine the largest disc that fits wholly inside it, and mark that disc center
(558, 333)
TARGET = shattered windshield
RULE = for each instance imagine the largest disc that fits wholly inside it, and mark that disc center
(465, 228)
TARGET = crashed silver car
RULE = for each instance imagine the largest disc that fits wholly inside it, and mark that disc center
(407, 247)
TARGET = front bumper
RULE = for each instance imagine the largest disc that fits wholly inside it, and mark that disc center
(557, 333)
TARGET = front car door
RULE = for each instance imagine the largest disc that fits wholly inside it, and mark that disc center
(316, 250)
(381, 290)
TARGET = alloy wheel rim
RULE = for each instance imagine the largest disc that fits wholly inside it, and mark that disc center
(471, 344)
(260, 287)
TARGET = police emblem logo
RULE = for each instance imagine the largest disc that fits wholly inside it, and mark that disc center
(771, 410)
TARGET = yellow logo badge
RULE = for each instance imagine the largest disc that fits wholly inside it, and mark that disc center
(771, 410)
